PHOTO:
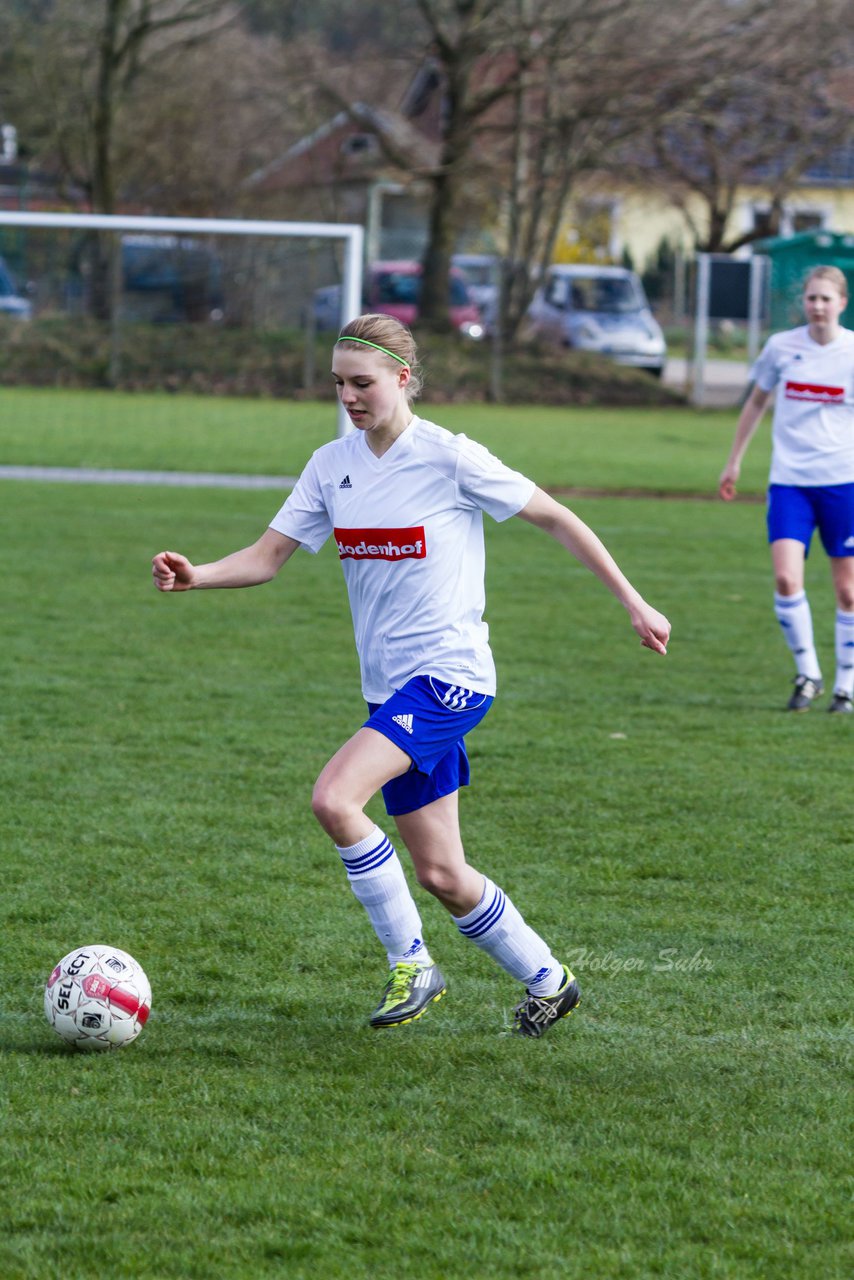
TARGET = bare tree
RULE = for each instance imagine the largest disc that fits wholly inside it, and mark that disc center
(772, 103)
(203, 118)
(538, 92)
(79, 63)
(484, 50)
(131, 32)
(589, 89)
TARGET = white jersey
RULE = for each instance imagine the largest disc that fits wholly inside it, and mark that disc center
(409, 532)
(813, 428)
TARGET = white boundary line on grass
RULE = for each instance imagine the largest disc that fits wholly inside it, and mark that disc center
(220, 480)
(179, 479)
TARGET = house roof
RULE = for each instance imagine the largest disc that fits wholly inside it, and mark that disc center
(321, 157)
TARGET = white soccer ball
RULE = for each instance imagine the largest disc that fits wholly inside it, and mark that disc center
(97, 998)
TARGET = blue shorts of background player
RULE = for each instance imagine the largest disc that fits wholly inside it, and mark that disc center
(796, 511)
(428, 719)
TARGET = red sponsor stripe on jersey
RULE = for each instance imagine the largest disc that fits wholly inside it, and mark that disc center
(814, 391)
(381, 544)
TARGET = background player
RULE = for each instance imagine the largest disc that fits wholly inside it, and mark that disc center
(403, 499)
(812, 475)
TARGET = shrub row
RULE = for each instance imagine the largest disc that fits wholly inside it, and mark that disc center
(218, 360)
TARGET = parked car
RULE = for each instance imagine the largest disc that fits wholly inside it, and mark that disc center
(601, 309)
(170, 278)
(394, 288)
(326, 306)
(11, 301)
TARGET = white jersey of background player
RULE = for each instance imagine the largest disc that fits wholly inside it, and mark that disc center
(811, 484)
(404, 501)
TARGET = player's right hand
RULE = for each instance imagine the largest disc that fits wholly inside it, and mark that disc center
(171, 571)
(726, 484)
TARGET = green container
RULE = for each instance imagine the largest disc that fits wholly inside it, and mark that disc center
(792, 258)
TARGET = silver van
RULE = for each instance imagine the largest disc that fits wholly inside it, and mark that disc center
(600, 309)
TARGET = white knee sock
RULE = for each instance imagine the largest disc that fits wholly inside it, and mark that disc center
(795, 619)
(498, 929)
(376, 878)
(844, 653)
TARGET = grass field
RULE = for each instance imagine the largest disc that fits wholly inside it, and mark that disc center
(652, 449)
(684, 843)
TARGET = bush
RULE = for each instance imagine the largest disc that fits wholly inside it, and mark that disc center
(219, 360)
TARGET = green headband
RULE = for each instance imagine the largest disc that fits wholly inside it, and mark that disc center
(345, 337)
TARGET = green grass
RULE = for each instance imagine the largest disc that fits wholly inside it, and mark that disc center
(653, 449)
(661, 821)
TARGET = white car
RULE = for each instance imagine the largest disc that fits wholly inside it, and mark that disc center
(481, 273)
(600, 309)
(11, 302)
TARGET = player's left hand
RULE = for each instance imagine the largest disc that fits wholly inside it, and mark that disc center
(653, 628)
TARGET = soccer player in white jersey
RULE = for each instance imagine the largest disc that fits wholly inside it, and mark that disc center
(403, 500)
(811, 485)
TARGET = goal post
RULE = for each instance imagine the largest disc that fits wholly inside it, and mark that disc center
(350, 234)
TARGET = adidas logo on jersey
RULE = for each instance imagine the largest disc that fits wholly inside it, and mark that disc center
(345, 483)
(405, 722)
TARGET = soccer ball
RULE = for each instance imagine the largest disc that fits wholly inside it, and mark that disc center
(97, 998)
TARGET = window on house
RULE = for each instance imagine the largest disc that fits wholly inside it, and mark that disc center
(762, 223)
(359, 144)
(806, 220)
(791, 221)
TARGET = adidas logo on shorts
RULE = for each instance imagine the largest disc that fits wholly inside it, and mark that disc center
(405, 722)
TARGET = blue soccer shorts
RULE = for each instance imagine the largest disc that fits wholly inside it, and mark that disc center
(796, 511)
(428, 719)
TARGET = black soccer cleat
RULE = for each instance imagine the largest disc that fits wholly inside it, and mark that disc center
(842, 702)
(806, 691)
(537, 1013)
(409, 990)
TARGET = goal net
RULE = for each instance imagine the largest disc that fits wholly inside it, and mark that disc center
(217, 307)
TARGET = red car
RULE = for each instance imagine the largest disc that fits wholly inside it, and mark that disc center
(394, 289)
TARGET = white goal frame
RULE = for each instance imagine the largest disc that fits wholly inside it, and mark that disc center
(351, 233)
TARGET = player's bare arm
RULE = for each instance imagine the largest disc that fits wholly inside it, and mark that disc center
(580, 540)
(748, 420)
(248, 567)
